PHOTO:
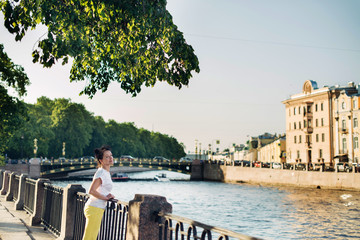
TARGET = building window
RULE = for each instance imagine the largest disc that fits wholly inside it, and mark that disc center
(299, 138)
(323, 137)
(343, 124)
(304, 123)
(317, 137)
(355, 103)
(321, 106)
(355, 122)
(322, 122)
(299, 110)
(344, 144)
(298, 154)
(294, 125)
(294, 110)
(320, 153)
(316, 122)
(343, 105)
(294, 139)
(356, 142)
(315, 107)
(299, 125)
(309, 123)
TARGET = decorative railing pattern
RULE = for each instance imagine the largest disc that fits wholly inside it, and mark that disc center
(185, 228)
(52, 208)
(79, 223)
(114, 221)
(30, 185)
(113, 225)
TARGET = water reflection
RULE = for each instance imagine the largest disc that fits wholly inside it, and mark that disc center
(264, 212)
(320, 214)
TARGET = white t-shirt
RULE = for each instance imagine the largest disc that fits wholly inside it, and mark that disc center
(104, 189)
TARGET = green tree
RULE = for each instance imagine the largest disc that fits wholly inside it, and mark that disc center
(99, 136)
(11, 74)
(12, 111)
(12, 115)
(130, 42)
(71, 123)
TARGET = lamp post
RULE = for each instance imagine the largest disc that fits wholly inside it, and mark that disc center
(196, 148)
(35, 147)
(63, 149)
(22, 145)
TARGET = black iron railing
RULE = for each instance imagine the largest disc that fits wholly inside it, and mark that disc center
(52, 208)
(113, 225)
(29, 195)
(79, 222)
(176, 227)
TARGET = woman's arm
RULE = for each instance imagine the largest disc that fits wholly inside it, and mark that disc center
(93, 190)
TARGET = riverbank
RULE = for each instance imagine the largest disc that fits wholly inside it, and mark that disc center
(285, 177)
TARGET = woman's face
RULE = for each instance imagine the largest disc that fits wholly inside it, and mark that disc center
(107, 159)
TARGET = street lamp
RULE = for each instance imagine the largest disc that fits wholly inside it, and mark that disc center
(22, 145)
(196, 148)
(63, 149)
(35, 147)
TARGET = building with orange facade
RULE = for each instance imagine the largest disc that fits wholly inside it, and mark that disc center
(322, 125)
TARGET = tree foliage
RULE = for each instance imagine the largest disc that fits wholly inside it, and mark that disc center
(53, 122)
(131, 42)
(11, 74)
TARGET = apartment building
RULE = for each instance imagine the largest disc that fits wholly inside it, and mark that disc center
(274, 151)
(320, 124)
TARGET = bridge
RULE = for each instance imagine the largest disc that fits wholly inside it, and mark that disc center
(61, 167)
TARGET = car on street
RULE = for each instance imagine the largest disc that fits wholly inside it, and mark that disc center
(300, 166)
(127, 158)
(356, 166)
(185, 159)
(276, 165)
(160, 159)
(343, 167)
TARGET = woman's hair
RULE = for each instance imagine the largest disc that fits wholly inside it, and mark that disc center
(99, 153)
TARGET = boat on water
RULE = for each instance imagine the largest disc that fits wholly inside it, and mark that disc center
(120, 177)
(161, 178)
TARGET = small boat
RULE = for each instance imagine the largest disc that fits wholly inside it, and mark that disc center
(119, 177)
(161, 177)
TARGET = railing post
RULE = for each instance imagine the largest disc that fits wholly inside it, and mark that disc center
(19, 204)
(9, 194)
(1, 177)
(35, 218)
(5, 186)
(142, 224)
(68, 211)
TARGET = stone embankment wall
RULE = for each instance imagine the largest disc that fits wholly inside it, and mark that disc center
(330, 180)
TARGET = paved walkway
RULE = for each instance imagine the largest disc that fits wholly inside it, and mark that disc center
(14, 224)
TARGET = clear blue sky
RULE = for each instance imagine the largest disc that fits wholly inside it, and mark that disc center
(253, 54)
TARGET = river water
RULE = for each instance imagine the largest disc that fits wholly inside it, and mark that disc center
(255, 210)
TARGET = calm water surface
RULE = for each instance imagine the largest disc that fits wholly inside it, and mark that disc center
(264, 212)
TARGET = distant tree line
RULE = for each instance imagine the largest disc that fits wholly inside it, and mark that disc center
(58, 121)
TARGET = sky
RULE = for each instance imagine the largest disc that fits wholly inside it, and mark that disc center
(253, 55)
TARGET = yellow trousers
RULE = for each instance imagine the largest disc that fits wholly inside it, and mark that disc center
(93, 217)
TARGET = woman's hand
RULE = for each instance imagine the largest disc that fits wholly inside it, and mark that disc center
(110, 196)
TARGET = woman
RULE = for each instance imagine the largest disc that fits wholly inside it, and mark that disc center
(99, 191)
